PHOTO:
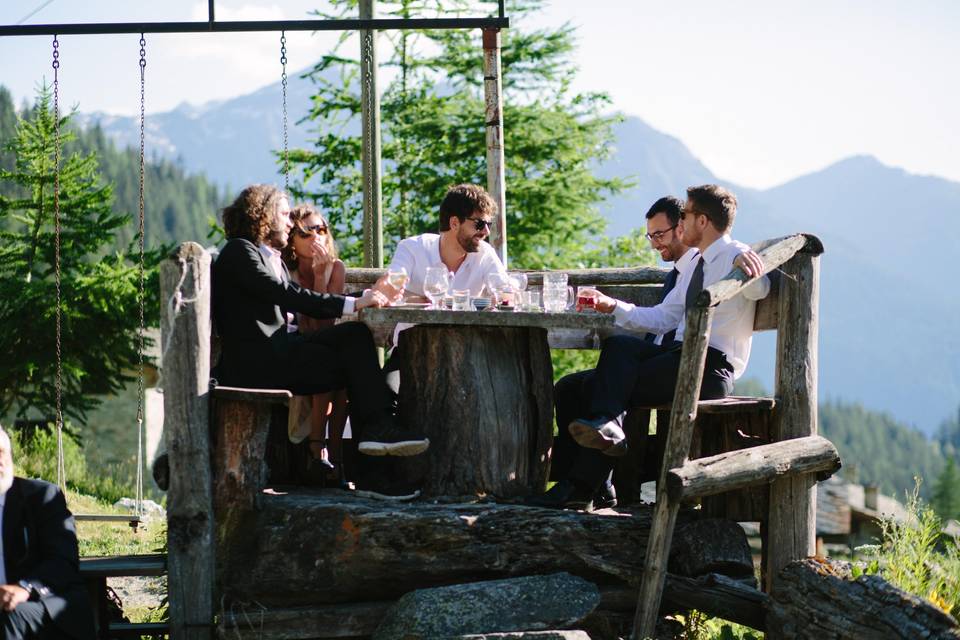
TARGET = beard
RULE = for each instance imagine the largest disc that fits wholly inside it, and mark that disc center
(276, 239)
(470, 243)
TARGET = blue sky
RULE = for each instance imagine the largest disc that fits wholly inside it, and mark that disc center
(760, 91)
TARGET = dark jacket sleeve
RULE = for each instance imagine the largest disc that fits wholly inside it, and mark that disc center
(248, 271)
(58, 562)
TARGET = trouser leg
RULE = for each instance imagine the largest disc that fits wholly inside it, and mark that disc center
(571, 397)
(619, 371)
(29, 621)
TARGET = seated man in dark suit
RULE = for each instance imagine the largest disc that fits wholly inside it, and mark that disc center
(41, 593)
(253, 301)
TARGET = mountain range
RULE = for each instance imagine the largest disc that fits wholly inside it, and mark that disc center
(889, 308)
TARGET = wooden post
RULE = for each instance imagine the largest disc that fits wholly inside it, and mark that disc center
(370, 154)
(496, 182)
(791, 524)
(682, 417)
(185, 279)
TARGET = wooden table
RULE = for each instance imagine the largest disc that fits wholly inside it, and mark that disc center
(479, 384)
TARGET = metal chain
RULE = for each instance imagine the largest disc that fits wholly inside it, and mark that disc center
(143, 327)
(366, 57)
(61, 468)
(283, 84)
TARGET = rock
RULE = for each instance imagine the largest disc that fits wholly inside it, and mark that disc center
(529, 603)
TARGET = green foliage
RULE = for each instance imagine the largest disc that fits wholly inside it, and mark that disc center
(700, 626)
(100, 296)
(946, 492)
(433, 135)
(914, 557)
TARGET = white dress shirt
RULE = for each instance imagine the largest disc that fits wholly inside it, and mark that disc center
(419, 252)
(683, 265)
(732, 328)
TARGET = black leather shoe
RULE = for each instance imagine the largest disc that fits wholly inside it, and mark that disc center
(563, 495)
(386, 439)
(605, 497)
(603, 434)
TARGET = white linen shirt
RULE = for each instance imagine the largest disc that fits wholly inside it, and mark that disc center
(731, 330)
(417, 253)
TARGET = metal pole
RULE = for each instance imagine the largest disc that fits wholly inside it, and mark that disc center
(496, 183)
(370, 157)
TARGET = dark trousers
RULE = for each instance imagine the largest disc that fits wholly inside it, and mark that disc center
(29, 621)
(631, 372)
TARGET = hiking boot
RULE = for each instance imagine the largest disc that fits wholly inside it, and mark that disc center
(605, 497)
(387, 439)
(563, 495)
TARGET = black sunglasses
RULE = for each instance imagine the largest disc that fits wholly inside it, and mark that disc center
(319, 229)
(479, 223)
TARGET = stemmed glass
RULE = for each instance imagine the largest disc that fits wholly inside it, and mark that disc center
(498, 283)
(435, 285)
(398, 277)
(519, 281)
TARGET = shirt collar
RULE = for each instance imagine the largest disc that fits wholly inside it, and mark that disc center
(716, 248)
(684, 262)
(268, 252)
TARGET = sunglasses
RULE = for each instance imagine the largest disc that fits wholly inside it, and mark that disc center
(479, 223)
(314, 229)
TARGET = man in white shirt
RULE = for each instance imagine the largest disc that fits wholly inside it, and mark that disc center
(466, 214)
(635, 372)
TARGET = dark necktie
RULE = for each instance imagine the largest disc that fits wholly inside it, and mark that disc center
(668, 284)
(696, 284)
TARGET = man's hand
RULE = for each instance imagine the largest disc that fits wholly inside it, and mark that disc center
(12, 595)
(371, 298)
(750, 263)
(603, 304)
(391, 293)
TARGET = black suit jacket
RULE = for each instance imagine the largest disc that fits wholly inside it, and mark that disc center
(40, 547)
(249, 310)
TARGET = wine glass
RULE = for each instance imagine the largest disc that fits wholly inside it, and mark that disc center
(435, 285)
(498, 283)
(398, 277)
(519, 281)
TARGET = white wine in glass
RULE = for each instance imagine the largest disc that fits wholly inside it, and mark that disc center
(398, 277)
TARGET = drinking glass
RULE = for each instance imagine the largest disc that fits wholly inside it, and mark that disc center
(498, 283)
(435, 285)
(518, 281)
(531, 300)
(398, 277)
(554, 279)
(556, 299)
(587, 297)
(461, 300)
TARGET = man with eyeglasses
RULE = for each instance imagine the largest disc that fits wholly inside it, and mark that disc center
(466, 214)
(633, 371)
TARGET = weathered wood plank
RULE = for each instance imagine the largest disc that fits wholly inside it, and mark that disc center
(792, 520)
(682, 417)
(280, 396)
(151, 564)
(566, 320)
(748, 467)
(493, 110)
(773, 256)
(812, 599)
(599, 277)
(186, 372)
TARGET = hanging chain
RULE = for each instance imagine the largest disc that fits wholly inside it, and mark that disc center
(143, 327)
(61, 468)
(369, 206)
(283, 84)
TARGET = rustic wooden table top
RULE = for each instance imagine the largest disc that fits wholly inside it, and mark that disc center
(488, 318)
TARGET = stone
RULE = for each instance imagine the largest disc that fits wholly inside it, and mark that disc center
(569, 634)
(530, 603)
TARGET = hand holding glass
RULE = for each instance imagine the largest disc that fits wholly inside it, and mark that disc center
(398, 277)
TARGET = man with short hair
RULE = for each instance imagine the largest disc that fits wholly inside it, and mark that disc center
(466, 213)
(633, 371)
(253, 298)
(41, 593)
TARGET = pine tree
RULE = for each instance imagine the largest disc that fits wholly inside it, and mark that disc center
(946, 492)
(100, 282)
(433, 136)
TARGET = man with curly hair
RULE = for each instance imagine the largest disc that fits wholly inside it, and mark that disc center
(253, 299)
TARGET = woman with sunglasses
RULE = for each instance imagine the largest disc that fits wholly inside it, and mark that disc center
(311, 257)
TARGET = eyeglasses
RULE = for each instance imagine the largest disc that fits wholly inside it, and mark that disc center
(479, 223)
(314, 229)
(684, 214)
(657, 236)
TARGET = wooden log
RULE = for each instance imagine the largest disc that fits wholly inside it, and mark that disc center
(791, 525)
(493, 110)
(814, 599)
(682, 417)
(599, 277)
(185, 279)
(722, 432)
(774, 255)
(314, 547)
(484, 397)
(748, 467)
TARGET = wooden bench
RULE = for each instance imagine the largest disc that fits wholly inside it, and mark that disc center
(95, 572)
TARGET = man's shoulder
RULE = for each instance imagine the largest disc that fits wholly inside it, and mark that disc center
(236, 248)
(422, 240)
(487, 252)
(33, 489)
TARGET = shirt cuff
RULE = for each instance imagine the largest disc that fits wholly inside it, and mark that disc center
(622, 311)
(348, 306)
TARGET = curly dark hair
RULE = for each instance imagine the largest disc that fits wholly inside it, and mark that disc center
(297, 216)
(463, 201)
(250, 215)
